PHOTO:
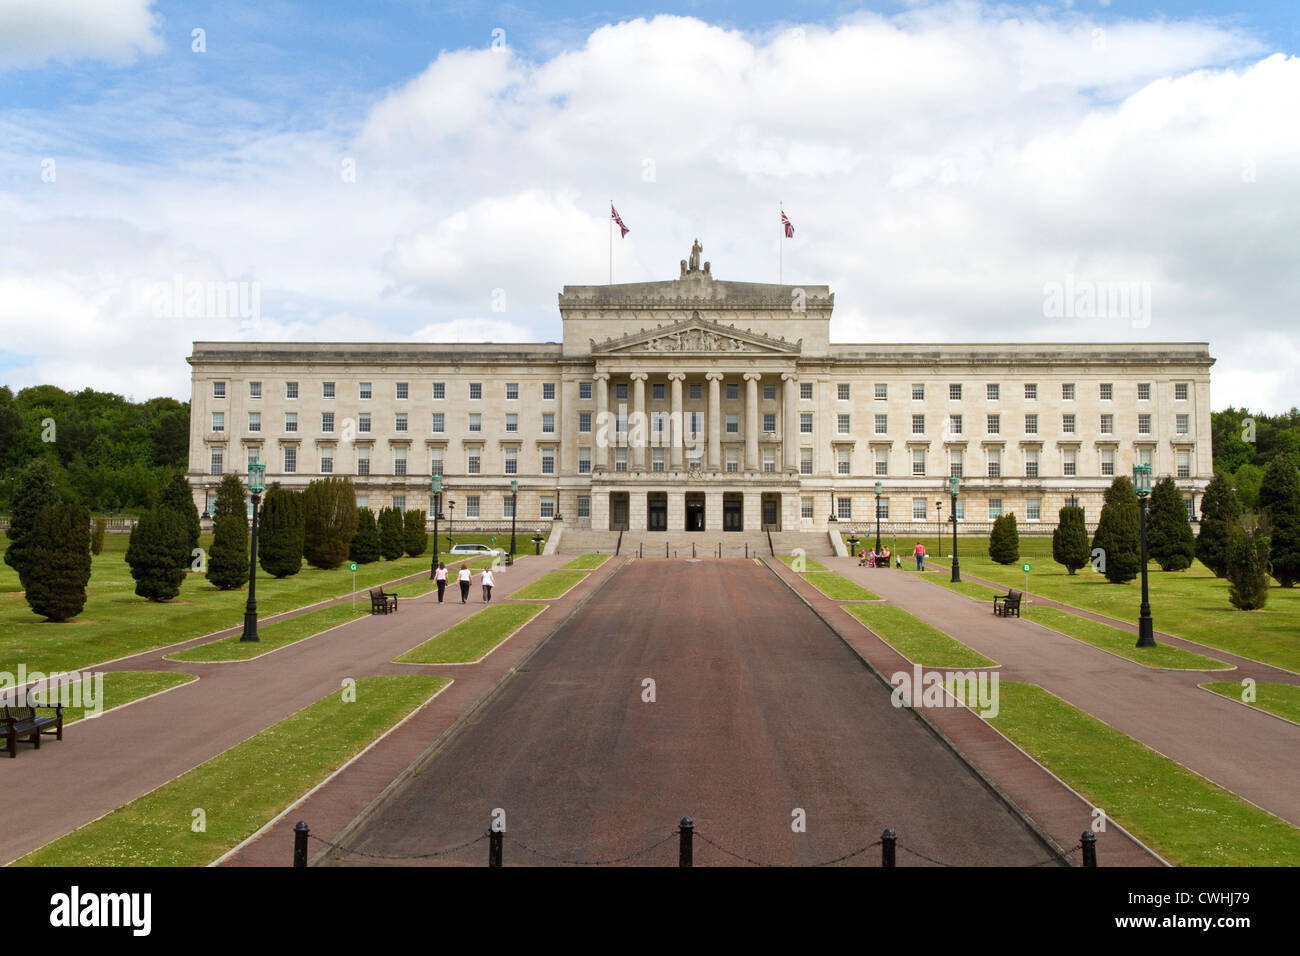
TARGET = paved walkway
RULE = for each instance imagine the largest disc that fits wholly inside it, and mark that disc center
(1246, 751)
(107, 762)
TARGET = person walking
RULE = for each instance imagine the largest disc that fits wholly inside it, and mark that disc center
(463, 580)
(919, 550)
(487, 581)
(441, 577)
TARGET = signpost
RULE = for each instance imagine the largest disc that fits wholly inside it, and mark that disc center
(352, 566)
(1025, 567)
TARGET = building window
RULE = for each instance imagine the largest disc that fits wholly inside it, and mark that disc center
(882, 424)
(733, 424)
(548, 461)
(218, 389)
(841, 424)
(584, 461)
(954, 424)
(805, 461)
(769, 422)
(1031, 391)
(620, 459)
(1191, 509)
(1031, 462)
(844, 509)
(439, 391)
(995, 425)
(403, 390)
(1144, 391)
(511, 460)
(882, 462)
(438, 422)
(918, 392)
(659, 423)
(805, 391)
(475, 391)
(1108, 462)
(363, 422)
(1144, 424)
(548, 423)
(992, 392)
(696, 391)
(1181, 424)
(657, 392)
(1067, 424)
(512, 390)
(290, 421)
(733, 460)
(327, 461)
(842, 391)
(1180, 391)
(548, 391)
(919, 511)
(363, 465)
(399, 422)
(843, 461)
(918, 424)
(769, 392)
(733, 391)
(435, 461)
(474, 461)
(254, 421)
(1107, 391)
(290, 389)
(327, 421)
(806, 508)
(1067, 392)
(471, 506)
(1184, 463)
(399, 463)
(215, 461)
(620, 392)
(995, 462)
(805, 423)
(1144, 456)
(584, 393)
(512, 421)
(475, 421)
(1069, 463)
(955, 464)
(657, 459)
(584, 506)
(620, 421)
(399, 502)
(363, 391)
(546, 507)
(1031, 424)
(363, 501)
(995, 508)
(584, 422)
(918, 461)
(254, 390)
(882, 391)
(954, 393)
(1034, 509)
(1107, 424)
(696, 422)
(1071, 501)
(218, 421)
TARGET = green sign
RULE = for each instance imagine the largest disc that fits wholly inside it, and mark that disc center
(352, 566)
(494, 539)
(1024, 567)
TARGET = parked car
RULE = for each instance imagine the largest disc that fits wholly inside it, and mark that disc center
(475, 549)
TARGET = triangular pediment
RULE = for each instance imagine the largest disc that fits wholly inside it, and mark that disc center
(697, 336)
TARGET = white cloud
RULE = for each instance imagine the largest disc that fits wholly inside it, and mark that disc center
(114, 31)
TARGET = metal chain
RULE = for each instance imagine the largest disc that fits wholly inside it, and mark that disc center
(736, 856)
(382, 856)
(846, 856)
(922, 855)
(622, 859)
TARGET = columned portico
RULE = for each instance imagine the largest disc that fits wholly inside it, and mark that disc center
(751, 422)
(601, 460)
(675, 426)
(715, 421)
(790, 422)
(638, 423)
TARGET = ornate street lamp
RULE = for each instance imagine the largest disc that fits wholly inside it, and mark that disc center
(437, 507)
(880, 486)
(832, 517)
(1142, 485)
(514, 514)
(938, 514)
(954, 487)
(256, 485)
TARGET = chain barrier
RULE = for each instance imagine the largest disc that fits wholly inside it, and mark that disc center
(737, 856)
(622, 859)
(382, 856)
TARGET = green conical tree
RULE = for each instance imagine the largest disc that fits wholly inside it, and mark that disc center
(179, 498)
(415, 538)
(1070, 539)
(1117, 532)
(33, 490)
(1220, 510)
(391, 534)
(59, 545)
(97, 530)
(228, 559)
(1170, 542)
(365, 546)
(1004, 539)
(1279, 501)
(330, 521)
(157, 554)
(1248, 559)
(232, 498)
(280, 532)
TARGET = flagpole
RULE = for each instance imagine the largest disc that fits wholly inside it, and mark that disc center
(780, 244)
(611, 242)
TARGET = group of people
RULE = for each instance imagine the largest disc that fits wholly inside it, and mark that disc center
(877, 559)
(463, 578)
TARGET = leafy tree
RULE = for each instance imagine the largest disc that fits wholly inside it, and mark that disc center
(59, 544)
(1117, 532)
(34, 490)
(1248, 557)
(1004, 539)
(178, 496)
(1170, 542)
(157, 555)
(366, 546)
(280, 532)
(1220, 511)
(1279, 500)
(416, 540)
(330, 520)
(391, 534)
(228, 559)
(1247, 480)
(1070, 539)
(98, 527)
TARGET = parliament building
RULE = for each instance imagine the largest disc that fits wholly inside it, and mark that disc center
(704, 405)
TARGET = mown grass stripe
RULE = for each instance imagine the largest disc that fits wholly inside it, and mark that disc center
(919, 642)
(549, 586)
(473, 638)
(1281, 700)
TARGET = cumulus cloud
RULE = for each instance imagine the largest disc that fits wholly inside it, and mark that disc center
(113, 31)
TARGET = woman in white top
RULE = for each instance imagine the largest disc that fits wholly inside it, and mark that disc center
(488, 581)
(463, 580)
(441, 577)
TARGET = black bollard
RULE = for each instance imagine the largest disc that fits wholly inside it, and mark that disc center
(685, 843)
(494, 847)
(887, 841)
(1089, 841)
(300, 833)
(692, 549)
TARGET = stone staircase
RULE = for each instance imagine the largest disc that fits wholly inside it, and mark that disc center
(658, 544)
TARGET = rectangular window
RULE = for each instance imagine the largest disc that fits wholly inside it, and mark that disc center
(805, 391)
(918, 461)
(1144, 391)
(843, 461)
(363, 465)
(995, 462)
(1144, 424)
(842, 391)
(439, 391)
(955, 463)
(327, 461)
(769, 422)
(218, 389)
(475, 422)
(215, 460)
(882, 462)
(992, 392)
(399, 422)
(1108, 462)
(769, 393)
(696, 391)
(548, 391)
(882, 424)
(1182, 424)
(805, 423)
(546, 507)
(1144, 456)
(548, 461)
(438, 423)
(584, 506)
(620, 422)
(399, 502)
(1184, 463)
(254, 389)
(995, 425)
(512, 421)
(1031, 462)
(1031, 424)
(954, 424)
(584, 422)
(548, 423)
(290, 389)
(1180, 391)
(474, 461)
(954, 393)
(1108, 424)
(884, 509)
(844, 509)
(472, 506)
(584, 461)
(290, 421)
(805, 461)
(1067, 392)
(733, 424)
(620, 392)
(657, 459)
(327, 421)
(882, 391)
(403, 390)
(1031, 391)
(919, 510)
(512, 391)
(363, 390)
(1106, 391)
(363, 501)
(511, 459)
(584, 393)
(1191, 509)
(995, 508)
(659, 423)
(435, 461)
(475, 391)
(363, 422)
(732, 460)
(733, 391)
(1069, 463)
(399, 463)
(657, 392)
(918, 424)
(620, 459)
(254, 421)
(696, 421)
(841, 424)
(1067, 424)
(806, 508)
(1034, 509)
(918, 392)
(218, 421)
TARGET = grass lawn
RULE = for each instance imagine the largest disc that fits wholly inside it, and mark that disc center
(473, 637)
(1280, 699)
(839, 588)
(243, 788)
(586, 562)
(549, 585)
(979, 592)
(115, 622)
(1191, 604)
(1182, 816)
(1124, 643)
(277, 635)
(121, 687)
(914, 639)
(809, 564)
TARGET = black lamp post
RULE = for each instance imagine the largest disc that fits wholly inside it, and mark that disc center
(451, 520)
(256, 485)
(437, 506)
(954, 487)
(832, 517)
(853, 545)
(938, 514)
(514, 513)
(879, 488)
(537, 541)
(1142, 485)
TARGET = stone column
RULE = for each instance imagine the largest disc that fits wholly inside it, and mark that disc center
(790, 419)
(676, 510)
(675, 423)
(637, 429)
(752, 514)
(600, 455)
(715, 421)
(751, 420)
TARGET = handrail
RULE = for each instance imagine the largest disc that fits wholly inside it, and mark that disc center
(619, 545)
(769, 542)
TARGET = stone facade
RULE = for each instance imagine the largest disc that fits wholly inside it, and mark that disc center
(698, 403)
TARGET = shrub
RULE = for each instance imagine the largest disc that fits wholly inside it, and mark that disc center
(228, 559)
(97, 531)
(60, 549)
(1170, 542)
(33, 490)
(1248, 559)
(1004, 540)
(280, 532)
(365, 546)
(415, 539)
(157, 554)
(1070, 539)
(1279, 501)
(391, 535)
(179, 498)
(1117, 532)
(1220, 511)
(329, 521)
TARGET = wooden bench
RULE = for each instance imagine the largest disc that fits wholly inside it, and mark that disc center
(1005, 604)
(381, 602)
(25, 723)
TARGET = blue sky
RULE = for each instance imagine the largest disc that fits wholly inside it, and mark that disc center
(944, 163)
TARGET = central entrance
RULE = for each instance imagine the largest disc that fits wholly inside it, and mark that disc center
(733, 512)
(695, 512)
(656, 507)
